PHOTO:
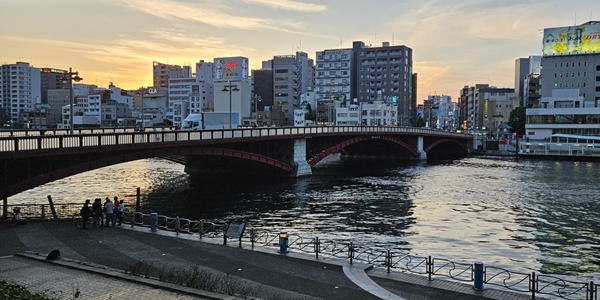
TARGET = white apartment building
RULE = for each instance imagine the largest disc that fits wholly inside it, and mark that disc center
(379, 113)
(334, 74)
(20, 89)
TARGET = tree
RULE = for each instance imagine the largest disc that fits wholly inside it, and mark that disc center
(517, 120)
(421, 122)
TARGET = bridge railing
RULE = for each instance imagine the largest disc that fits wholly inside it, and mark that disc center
(93, 138)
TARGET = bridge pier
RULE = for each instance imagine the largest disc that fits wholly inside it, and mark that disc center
(303, 168)
(422, 153)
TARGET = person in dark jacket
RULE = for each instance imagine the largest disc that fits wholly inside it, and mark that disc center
(97, 209)
(85, 212)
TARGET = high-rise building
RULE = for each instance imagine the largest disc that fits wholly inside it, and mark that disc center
(367, 74)
(52, 79)
(387, 70)
(292, 77)
(161, 73)
(570, 83)
(20, 89)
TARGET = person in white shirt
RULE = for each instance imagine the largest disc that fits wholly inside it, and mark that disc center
(110, 215)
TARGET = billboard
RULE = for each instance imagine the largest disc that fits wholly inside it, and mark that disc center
(582, 39)
(230, 68)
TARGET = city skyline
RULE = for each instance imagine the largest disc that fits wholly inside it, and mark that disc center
(454, 44)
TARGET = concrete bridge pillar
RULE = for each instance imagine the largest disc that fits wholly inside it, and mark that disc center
(422, 153)
(300, 158)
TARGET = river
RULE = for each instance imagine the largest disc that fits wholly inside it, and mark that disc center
(523, 216)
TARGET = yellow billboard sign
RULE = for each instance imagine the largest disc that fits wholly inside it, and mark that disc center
(582, 39)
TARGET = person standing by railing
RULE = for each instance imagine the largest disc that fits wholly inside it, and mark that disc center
(120, 211)
(85, 212)
(109, 209)
(97, 209)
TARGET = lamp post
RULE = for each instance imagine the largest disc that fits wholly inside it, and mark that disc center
(70, 77)
(229, 88)
(256, 99)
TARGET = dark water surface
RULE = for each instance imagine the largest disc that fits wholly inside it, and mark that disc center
(523, 216)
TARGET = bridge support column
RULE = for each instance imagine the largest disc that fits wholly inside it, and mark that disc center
(422, 154)
(303, 168)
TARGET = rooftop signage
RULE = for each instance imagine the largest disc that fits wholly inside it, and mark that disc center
(572, 40)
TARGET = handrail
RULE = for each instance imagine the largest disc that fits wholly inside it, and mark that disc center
(555, 286)
(102, 139)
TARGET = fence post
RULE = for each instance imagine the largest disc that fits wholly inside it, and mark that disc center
(176, 225)
(351, 252)
(43, 211)
(225, 234)
(137, 200)
(317, 247)
(388, 260)
(591, 290)
(132, 219)
(201, 229)
(478, 275)
(4, 208)
(532, 285)
(429, 267)
(52, 207)
(252, 237)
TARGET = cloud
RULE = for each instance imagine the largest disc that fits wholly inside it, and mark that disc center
(290, 5)
(168, 9)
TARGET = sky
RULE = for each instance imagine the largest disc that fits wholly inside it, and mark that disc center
(455, 43)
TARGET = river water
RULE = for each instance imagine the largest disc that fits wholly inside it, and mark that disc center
(523, 216)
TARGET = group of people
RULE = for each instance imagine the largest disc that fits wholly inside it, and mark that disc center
(104, 215)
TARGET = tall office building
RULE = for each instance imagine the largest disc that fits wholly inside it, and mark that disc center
(161, 73)
(52, 79)
(387, 70)
(292, 77)
(521, 72)
(20, 89)
(570, 83)
(368, 74)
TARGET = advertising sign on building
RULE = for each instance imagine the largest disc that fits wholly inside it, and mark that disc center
(583, 39)
(230, 68)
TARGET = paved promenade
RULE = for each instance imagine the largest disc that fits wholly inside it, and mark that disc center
(94, 257)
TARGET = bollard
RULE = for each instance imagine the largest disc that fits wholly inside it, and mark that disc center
(478, 275)
(283, 242)
(154, 222)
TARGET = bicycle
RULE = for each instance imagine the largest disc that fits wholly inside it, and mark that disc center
(78, 220)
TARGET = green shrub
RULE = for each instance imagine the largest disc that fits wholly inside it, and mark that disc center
(14, 291)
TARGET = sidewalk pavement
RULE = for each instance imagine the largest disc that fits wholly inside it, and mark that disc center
(272, 275)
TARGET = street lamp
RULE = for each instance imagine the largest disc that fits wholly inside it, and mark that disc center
(256, 99)
(70, 77)
(229, 88)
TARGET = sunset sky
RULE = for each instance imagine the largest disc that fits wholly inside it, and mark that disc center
(455, 43)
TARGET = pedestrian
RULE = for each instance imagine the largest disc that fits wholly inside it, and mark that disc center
(97, 210)
(109, 209)
(120, 211)
(85, 212)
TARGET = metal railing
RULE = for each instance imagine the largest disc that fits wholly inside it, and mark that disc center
(534, 284)
(96, 139)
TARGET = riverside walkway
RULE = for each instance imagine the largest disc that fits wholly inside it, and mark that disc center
(93, 261)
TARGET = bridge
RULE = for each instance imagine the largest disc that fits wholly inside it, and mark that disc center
(33, 158)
